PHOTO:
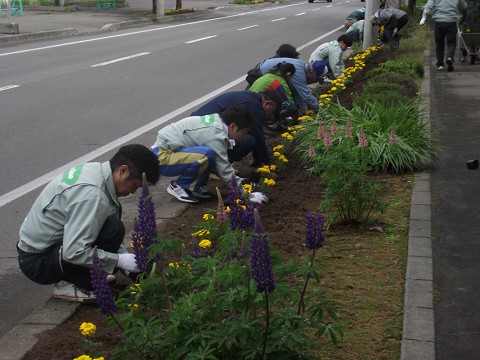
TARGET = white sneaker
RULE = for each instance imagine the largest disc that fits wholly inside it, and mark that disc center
(181, 194)
(440, 67)
(67, 291)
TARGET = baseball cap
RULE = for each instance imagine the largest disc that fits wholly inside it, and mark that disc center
(320, 69)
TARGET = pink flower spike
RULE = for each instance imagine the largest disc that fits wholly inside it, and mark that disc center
(334, 127)
(393, 137)
(348, 130)
(311, 151)
(320, 131)
(327, 140)
(222, 213)
(362, 140)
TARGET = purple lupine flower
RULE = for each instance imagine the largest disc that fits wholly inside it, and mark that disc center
(260, 258)
(311, 151)
(222, 213)
(235, 198)
(101, 287)
(320, 131)
(196, 250)
(145, 228)
(327, 140)
(315, 231)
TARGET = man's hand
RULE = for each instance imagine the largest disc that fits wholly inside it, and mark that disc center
(258, 197)
(422, 21)
(127, 262)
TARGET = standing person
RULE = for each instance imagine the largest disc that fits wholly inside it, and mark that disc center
(393, 20)
(331, 53)
(196, 145)
(445, 14)
(283, 51)
(262, 107)
(353, 17)
(76, 212)
(305, 74)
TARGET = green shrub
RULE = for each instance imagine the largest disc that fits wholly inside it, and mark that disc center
(389, 99)
(408, 84)
(413, 69)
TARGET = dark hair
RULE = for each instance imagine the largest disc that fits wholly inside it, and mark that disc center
(288, 51)
(139, 160)
(282, 69)
(239, 115)
(347, 40)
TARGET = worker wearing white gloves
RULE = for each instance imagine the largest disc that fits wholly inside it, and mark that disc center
(76, 212)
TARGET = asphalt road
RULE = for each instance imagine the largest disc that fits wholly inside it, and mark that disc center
(79, 99)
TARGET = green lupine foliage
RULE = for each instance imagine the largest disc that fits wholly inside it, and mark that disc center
(415, 149)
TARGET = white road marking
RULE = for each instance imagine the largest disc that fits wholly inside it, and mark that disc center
(201, 39)
(247, 27)
(278, 19)
(121, 59)
(299, 14)
(145, 31)
(42, 180)
(8, 87)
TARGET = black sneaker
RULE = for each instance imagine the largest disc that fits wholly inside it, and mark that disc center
(450, 64)
(203, 193)
(181, 194)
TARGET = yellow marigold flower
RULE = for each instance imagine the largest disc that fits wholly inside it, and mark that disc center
(238, 201)
(208, 217)
(264, 169)
(83, 357)
(227, 209)
(321, 104)
(273, 167)
(277, 154)
(269, 182)
(205, 243)
(334, 88)
(201, 233)
(100, 358)
(174, 265)
(278, 147)
(247, 188)
(323, 96)
(87, 329)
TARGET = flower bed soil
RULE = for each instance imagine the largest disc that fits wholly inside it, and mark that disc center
(295, 193)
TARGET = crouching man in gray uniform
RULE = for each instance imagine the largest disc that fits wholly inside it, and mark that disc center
(77, 211)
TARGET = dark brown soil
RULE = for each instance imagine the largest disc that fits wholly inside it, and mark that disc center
(283, 218)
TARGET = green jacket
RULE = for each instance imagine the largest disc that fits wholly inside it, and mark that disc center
(263, 83)
(72, 209)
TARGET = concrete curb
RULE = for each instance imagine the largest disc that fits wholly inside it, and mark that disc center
(418, 338)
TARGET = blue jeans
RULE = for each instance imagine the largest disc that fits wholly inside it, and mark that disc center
(445, 30)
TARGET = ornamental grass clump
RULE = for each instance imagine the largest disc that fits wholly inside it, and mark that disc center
(237, 301)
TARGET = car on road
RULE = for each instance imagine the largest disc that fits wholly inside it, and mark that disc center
(311, 1)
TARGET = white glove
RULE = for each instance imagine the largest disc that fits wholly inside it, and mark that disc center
(127, 262)
(422, 21)
(395, 31)
(257, 197)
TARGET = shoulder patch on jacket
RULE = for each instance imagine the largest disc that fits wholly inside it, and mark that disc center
(207, 120)
(71, 176)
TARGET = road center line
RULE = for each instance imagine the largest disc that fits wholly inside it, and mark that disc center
(300, 14)
(8, 87)
(278, 19)
(42, 180)
(201, 39)
(121, 59)
(247, 27)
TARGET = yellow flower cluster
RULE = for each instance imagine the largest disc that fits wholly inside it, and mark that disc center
(339, 84)
(133, 306)
(205, 243)
(88, 357)
(174, 265)
(306, 117)
(88, 329)
(269, 182)
(133, 290)
(201, 233)
(247, 188)
(207, 217)
(287, 136)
